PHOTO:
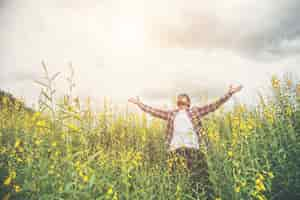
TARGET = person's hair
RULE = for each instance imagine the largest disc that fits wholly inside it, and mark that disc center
(186, 102)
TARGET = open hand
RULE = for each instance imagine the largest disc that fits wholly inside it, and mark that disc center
(134, 100)
(233, 90)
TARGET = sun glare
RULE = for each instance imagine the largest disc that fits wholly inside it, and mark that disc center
(127, 34)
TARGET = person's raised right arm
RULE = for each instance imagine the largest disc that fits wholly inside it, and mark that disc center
(162, 114)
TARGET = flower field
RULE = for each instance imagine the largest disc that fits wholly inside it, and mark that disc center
(65, 150)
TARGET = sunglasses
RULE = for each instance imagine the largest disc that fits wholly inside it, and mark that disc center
(183, 103)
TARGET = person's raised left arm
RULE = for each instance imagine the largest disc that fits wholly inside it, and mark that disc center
(204, 110)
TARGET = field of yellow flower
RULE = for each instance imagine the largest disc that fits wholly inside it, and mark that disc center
(65, 150)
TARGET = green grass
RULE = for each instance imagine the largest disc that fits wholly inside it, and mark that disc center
(68, 151)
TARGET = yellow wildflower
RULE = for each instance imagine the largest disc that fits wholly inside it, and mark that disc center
(275, 82)
(139, 156)
(7, 181)
(259, 185)
(270, 174)
(41, 123)
(21, 149)
(77, 116)
(250, 127)
(37, 142)
(85, 178)
(72, 127)
(260, 176)
(230, 154)
(54, 144)
(77, 164)
(237, 189)
(218, 198)
(109, 191)
(170, 163)
(129, 176)
(261, 197)
(115, 197)
(17, 143)
(36, 115)
(81, 173)
(56, 153)
(13, 174)
(17, 188)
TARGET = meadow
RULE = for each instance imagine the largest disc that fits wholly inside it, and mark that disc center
(66, 150)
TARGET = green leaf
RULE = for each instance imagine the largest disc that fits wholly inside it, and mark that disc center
(92, 180)
(41, 83)
(45, 68)
(68, 187)
(55, 76)
(46, 95)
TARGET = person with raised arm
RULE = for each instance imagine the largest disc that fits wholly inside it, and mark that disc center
(183, 134)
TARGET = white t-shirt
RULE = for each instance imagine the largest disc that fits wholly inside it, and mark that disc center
(183, 132)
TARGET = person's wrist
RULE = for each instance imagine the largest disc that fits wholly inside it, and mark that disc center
(230, 92)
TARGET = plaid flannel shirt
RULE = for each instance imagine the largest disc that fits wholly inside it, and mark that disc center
(195, 114)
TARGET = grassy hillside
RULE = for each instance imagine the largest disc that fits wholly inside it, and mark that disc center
(64, 151)
(7, 100)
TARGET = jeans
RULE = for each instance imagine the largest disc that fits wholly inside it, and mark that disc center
(196, 164)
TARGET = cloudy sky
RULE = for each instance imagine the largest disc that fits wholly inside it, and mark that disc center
(154, 49)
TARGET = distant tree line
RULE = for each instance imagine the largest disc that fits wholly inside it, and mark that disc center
(12, 102)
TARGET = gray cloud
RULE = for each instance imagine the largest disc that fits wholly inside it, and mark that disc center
(259, 29)
(215, 44)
